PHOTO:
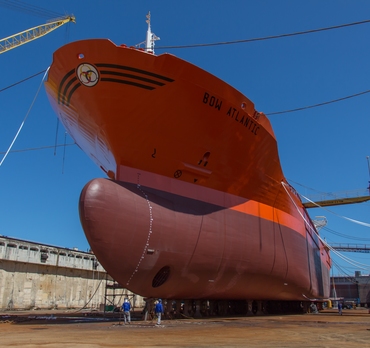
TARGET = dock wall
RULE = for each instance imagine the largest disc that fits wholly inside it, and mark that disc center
(37, 276)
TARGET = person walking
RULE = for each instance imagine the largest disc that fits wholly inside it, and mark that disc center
(159, 311)
(340, 308)
(126, 307)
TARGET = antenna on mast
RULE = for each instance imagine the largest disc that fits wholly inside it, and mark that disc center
(150, 37)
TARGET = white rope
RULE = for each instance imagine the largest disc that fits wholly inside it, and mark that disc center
(25, 118)
(345, 258)
(337, 253)
(341, 216)
(350, 261)
(299, 212)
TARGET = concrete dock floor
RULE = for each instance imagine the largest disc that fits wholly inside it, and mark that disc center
(68, 329)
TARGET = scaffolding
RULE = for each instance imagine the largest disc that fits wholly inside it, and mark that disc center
(114, 296)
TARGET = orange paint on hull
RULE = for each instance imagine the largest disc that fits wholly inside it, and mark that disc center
(173, 137)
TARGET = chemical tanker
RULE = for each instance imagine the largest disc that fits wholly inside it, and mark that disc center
(194, 204)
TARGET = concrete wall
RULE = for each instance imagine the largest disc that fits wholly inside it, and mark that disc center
(40, 276)
(353, 288)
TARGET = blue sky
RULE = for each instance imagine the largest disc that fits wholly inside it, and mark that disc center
(321, 149)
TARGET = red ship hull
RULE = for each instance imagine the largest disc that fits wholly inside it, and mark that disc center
(197, 206)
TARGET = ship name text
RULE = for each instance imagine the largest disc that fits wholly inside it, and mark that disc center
(244, 119)
(234, 113)
(212, 101)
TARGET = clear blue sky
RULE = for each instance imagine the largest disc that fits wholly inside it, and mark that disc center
(321, 149)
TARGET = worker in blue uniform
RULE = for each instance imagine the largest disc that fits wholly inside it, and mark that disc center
(126, 307)
(159, 311)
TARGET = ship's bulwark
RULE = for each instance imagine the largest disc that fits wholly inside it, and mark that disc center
(203, 249)
(199, 208)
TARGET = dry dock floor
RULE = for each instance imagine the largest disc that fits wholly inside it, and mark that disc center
(325, 329)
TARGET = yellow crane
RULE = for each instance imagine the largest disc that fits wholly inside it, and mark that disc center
(338, 201)
(32, 34)
(338, 198)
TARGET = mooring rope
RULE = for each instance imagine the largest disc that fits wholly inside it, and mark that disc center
(344, 258)
(24, 120)
(341, 216)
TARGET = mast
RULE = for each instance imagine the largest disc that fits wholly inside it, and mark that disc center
(150, 37)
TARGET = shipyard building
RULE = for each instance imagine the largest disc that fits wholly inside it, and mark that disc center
(39, 276)
(352, 289)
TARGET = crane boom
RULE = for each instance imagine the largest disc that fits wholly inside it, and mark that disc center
(32, 34)
(338, 198)
(338, 201)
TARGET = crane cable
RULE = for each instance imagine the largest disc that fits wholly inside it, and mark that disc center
(279, 37)
(28, 8)
(251, 40)
(267, 114)
(317, 105)
(21, 81)
(337, 253)
(366, 224)
(39, 148)
(267, 37)
(24, 120)
(42, 12)
(343, 235)
(326, 228)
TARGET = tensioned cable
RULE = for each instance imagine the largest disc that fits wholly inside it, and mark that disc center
(344, 235)
(64, 151)
(21, 81)
(79, 310)
(56, 137)
(317, 191)
(28, 8)
(39, 148)
(266, 37)
(317, 105)
(257, 39)
(343, 217)
(326, 228)
(277, 37)
(344, 273)
(308, 188)
(347, 259)
(350, 261)
(25, 118)
(267, 114)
